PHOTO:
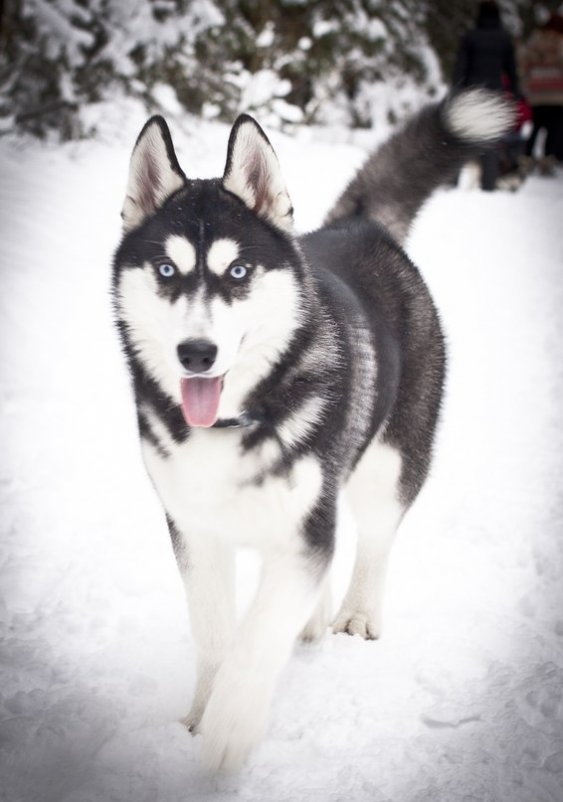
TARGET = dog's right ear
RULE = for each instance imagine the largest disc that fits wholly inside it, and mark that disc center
(154, 173)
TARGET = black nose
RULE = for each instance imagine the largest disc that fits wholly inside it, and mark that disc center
(197, 356)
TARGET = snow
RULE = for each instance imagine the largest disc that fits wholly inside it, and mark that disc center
(462, 698)
(382, 66)
(54, 24)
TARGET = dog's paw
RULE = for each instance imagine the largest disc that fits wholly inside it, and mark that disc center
(313, 631)
(358, 622)
(234, 721)
(316, 627)
(201, 695)
(192, 721)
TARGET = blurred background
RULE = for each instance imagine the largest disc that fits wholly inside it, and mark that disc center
(361, 63)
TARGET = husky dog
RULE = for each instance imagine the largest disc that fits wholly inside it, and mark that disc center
(275, 374)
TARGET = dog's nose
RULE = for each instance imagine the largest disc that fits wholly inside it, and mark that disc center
(197, 356)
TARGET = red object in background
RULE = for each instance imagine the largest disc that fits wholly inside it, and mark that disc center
(523, 108)
(523, 113)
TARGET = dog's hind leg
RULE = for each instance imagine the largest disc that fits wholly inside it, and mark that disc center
(208, 570)
(373, 495)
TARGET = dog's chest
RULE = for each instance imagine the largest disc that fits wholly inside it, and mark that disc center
(210, 487)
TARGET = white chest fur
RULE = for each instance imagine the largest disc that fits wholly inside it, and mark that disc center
(209, 486)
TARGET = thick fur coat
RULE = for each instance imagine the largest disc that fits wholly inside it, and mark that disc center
(277, 377)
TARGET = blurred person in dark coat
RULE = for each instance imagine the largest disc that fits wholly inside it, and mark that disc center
(486, 58)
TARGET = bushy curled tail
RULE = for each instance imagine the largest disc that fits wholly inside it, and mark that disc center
(395, 181)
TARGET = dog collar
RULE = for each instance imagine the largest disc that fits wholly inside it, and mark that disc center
(244, 419)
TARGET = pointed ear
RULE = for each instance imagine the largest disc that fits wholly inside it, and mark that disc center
(154, 173)
(253, 174)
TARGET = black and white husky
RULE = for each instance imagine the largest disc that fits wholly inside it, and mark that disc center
(274, 376)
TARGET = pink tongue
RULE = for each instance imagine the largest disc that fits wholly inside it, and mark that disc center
(200, 400)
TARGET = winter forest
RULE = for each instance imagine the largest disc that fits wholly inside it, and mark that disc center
(461, 699)
(288, 61)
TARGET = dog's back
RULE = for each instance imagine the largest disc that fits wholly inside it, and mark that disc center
(357, 256)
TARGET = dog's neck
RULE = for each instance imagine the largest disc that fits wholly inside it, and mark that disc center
(244, 420)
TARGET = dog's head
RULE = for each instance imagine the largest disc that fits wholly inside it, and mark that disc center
(207, 285)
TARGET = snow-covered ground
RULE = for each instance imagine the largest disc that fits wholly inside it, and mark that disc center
(462, 699)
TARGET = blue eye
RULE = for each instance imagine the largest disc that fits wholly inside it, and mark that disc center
(238, 271)
(166, 270)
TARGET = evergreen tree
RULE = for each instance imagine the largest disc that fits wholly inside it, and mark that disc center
(352, 61)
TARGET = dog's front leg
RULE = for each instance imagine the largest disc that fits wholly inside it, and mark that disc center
(236, 714)
(207, 567)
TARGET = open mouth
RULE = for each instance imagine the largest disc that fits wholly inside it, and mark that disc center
(200, 399)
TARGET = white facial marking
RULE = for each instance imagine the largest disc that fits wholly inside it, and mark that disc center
(156, 326)
(221, 253)
(267, 319)
(182, 253)
(250, 334)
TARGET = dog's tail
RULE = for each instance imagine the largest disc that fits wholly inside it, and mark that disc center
(396, 180)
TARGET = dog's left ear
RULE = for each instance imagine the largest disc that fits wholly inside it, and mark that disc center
(154, 173)
(253, 174)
